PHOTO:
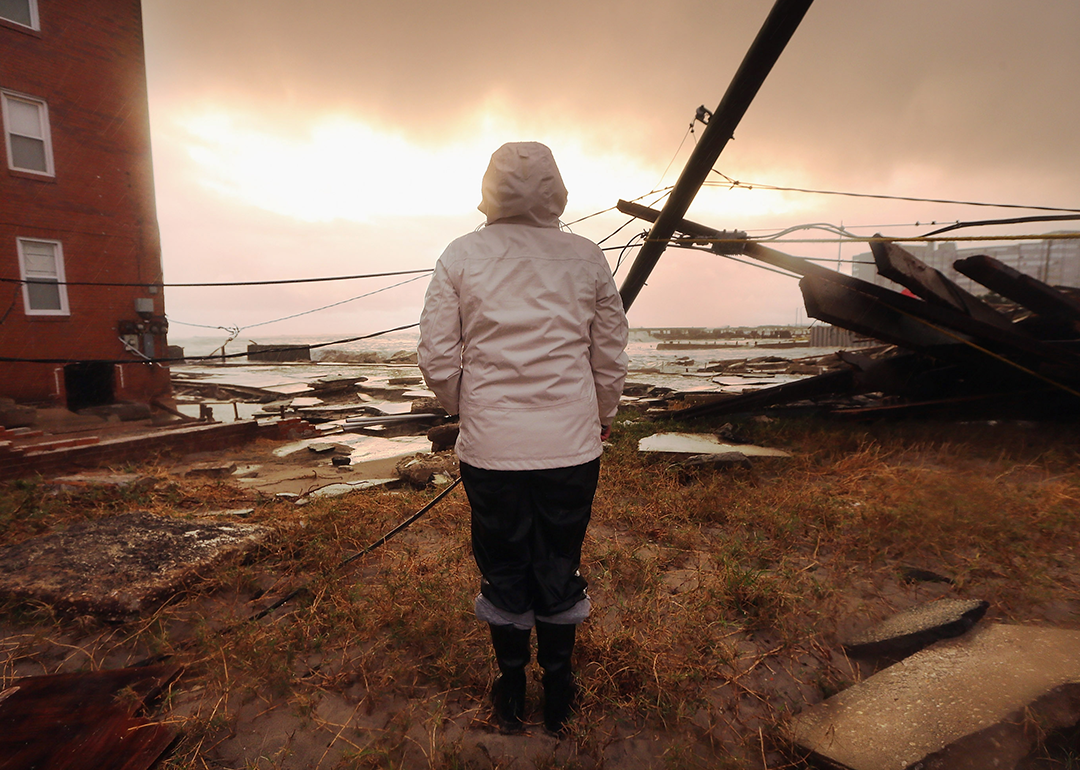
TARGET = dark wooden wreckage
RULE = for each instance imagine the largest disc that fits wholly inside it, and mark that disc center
(955, 354)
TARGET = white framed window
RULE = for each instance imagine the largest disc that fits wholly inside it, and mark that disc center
(26, 132)
(22, 12)
(42, 266)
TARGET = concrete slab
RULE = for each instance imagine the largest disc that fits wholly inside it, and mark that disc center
(218, 470)
(909, 631)
(82, 481)
(376, 449)
(345, 487)
(964, 703)
(363, 448)
(690, 444)
(120, 565)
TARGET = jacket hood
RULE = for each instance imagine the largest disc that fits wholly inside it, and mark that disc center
(523, 185)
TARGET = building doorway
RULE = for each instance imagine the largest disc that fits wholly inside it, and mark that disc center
(88, 383)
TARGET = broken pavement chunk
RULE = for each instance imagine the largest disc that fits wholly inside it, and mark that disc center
(91, 480)
(690, 444)
(119, 565)
(211, 470)
(909, 631)
(963, 703)
(321, 447)
(344, 488)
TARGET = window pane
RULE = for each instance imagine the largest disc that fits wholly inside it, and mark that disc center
(24, 118)
(44, 295)
(37, 263)
(28, 154)
(17, 11)
(38, 249)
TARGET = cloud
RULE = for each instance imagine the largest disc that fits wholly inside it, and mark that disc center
(288, 130)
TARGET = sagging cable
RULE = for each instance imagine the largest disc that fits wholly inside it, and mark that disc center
(382, 540)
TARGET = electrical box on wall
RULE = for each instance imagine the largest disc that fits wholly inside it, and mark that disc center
(141, 335)
(151, 325)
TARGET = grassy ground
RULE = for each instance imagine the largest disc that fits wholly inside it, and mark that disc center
(720, 598)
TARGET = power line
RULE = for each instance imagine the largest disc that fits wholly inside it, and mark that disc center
(278, 282)
(731, 183)
(665, 190)
(10, 360)
(898, 239)
(333, 304)
(1012, 221)
(235, 330)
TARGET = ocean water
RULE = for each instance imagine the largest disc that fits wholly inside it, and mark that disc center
(641, 349)
(676, 369)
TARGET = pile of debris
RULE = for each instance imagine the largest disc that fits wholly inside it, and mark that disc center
(954, 353)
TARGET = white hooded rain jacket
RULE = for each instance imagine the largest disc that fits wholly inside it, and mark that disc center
(523, 331)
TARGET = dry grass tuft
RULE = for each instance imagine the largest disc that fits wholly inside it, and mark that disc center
(719, 599)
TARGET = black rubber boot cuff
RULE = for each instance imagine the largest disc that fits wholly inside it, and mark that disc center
(508, 694)
(555, 647)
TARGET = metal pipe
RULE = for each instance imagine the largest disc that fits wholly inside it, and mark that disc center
(779, 26)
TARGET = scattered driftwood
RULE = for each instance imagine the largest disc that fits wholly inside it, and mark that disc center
(955, 354)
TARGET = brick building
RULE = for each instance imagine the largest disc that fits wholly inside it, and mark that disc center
(77, 207)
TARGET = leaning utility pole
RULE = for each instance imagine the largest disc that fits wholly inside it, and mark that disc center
(783, 20)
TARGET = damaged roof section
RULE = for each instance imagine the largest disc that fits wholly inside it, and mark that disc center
(953, 354)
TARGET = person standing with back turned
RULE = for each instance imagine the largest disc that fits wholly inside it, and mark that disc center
(523, 335)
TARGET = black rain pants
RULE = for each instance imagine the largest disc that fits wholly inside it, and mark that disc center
(527, 532)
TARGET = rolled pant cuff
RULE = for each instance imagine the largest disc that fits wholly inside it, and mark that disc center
(489, 613)
(570, 617)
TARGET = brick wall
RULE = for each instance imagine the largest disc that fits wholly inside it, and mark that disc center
(87, 63)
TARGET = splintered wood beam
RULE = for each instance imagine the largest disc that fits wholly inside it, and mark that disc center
(899, 265)
(842, 306)
(1033, 294)
(1010, 342)
(820, 386)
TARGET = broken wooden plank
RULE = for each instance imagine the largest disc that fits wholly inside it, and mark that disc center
(841, 305)
(1025, 290)
(1009, 342)
(85, 720)
(823, 385)
(899, 265)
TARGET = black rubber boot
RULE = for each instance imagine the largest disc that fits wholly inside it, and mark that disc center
(508, 694)
(554, 648)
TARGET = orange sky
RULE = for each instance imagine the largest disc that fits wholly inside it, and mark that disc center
(346, 137)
